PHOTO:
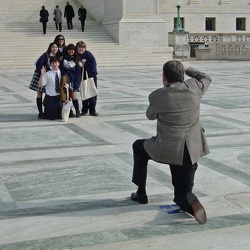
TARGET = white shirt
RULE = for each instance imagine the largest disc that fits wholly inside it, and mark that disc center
(49, 80)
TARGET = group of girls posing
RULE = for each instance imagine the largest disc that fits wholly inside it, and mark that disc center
(75, 61)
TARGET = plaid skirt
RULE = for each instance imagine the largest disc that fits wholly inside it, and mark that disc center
(34, 83)
(74, 87)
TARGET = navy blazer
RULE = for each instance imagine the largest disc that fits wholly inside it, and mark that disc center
(43, 60)
(90, 64)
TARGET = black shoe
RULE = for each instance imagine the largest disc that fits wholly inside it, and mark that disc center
(78, 114)
(83, 113)
(71, 114)
(93, 114)
(140, 198)
(199, 212)
(42, 116)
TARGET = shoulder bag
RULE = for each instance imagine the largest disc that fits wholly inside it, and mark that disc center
(66, 107)
(87, 88)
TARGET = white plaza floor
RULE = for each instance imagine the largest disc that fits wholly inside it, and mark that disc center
(67, 185)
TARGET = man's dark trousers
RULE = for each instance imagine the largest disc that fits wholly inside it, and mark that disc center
(182, 175)
(44, 27)
(69, 23)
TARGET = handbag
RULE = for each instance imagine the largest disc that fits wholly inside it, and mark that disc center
(66, 108)
(88, 88)
(63, 89)
(54, 19)
(40, 20)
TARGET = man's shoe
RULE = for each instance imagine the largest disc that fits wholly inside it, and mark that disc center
(199, 212)
(42, 116)
(140, 198)
(94, 114)
(78, 114)
(83, 113)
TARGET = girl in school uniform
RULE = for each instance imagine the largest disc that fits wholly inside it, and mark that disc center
(43, 61)
(86, 60)
(74, 72)
(60, 41)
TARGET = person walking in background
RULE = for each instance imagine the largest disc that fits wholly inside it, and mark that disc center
(58, 18)
(69, 14)
(180, 139)
(82, 12)
(44, 18)
(42, 62)
(86, 60)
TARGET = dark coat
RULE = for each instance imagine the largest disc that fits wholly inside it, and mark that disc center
(82, 12)
(44, 14)
(69, 11)
(72, 70)
(43, 60)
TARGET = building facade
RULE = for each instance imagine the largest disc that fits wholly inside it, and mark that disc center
(148, 23)
(210, 20)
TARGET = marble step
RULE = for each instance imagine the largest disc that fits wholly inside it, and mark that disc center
(22, 41)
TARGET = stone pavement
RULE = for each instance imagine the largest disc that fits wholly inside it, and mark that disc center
(67, 185)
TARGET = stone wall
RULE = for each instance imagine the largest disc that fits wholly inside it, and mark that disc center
(133, 23)
(96, 8)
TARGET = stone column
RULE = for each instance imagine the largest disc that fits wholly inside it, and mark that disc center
(136, 23)
(113, 12)
(179, 42)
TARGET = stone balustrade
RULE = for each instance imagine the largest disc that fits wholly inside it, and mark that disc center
(223, 51)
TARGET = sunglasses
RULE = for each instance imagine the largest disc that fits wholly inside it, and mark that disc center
(61, 39)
